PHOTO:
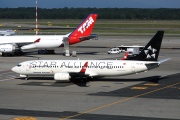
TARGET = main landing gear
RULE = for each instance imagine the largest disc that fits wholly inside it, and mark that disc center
(26, 78)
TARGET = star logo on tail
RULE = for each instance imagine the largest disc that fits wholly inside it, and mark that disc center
(150, 52)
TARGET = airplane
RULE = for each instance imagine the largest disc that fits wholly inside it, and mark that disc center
(7, 33)
(67, 70)
(15, 44)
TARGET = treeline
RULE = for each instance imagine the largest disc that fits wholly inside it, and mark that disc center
(80, 13)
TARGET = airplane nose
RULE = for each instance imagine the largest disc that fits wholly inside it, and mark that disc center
(14, 69)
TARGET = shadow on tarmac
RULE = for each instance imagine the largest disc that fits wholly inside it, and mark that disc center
(63, 114)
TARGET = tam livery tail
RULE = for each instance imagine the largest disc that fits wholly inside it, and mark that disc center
(84, 30)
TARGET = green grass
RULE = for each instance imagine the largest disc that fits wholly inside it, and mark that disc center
(102, 27)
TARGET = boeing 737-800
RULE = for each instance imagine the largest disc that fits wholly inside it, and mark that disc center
(65, 70)
(14, 44)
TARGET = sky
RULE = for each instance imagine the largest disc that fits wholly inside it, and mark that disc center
(91, 3)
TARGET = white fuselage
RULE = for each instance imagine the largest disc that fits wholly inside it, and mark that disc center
(94, 68)
(46, 41)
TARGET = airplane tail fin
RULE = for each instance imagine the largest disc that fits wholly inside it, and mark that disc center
(84, 30)
(151, 50)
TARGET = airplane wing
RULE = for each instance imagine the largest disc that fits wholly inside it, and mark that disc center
(82, 72)
(30, 45)
(20, 44)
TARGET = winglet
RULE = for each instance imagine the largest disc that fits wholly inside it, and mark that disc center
(83, 70)
(125, 56)
(38, 40)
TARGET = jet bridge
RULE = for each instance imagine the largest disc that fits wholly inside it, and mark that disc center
(66, 46)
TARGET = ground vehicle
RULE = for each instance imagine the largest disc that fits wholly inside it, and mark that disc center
(130, 48)
(133, 51)
(114, 51)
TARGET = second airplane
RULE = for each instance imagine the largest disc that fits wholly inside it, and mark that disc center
(15, 44)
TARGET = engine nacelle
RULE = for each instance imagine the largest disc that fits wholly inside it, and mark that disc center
(6, 48)
(62, 76)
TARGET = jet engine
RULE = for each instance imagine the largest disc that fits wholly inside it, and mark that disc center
(62, 76)
(7, 48)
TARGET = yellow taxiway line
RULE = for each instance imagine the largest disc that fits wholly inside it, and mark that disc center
(117, 102)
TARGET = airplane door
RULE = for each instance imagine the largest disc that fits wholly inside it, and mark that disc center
(27, 67)
(133, 67)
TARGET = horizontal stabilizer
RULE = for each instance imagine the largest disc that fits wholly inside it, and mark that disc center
(164, 60)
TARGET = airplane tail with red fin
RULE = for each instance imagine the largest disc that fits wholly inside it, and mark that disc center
(84, 30)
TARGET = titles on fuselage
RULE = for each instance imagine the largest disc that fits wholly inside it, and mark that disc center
(70, 64)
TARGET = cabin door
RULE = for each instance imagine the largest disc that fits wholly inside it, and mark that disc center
(28, 67)
(133, 67)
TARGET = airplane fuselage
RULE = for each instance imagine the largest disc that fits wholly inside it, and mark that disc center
(95, 67)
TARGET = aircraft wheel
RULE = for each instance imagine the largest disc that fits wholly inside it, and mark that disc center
(26, 78)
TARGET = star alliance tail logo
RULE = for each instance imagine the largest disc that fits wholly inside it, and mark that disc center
(150, 52)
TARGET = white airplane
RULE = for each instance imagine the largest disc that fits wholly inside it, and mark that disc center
(7, 33)
(65, 70)
(14, 44)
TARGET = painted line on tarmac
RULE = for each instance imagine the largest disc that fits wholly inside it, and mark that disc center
(139, 88)
(117, 102)
(148, 84)
(25, 118)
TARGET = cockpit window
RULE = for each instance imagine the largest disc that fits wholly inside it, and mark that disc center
(19, 65)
